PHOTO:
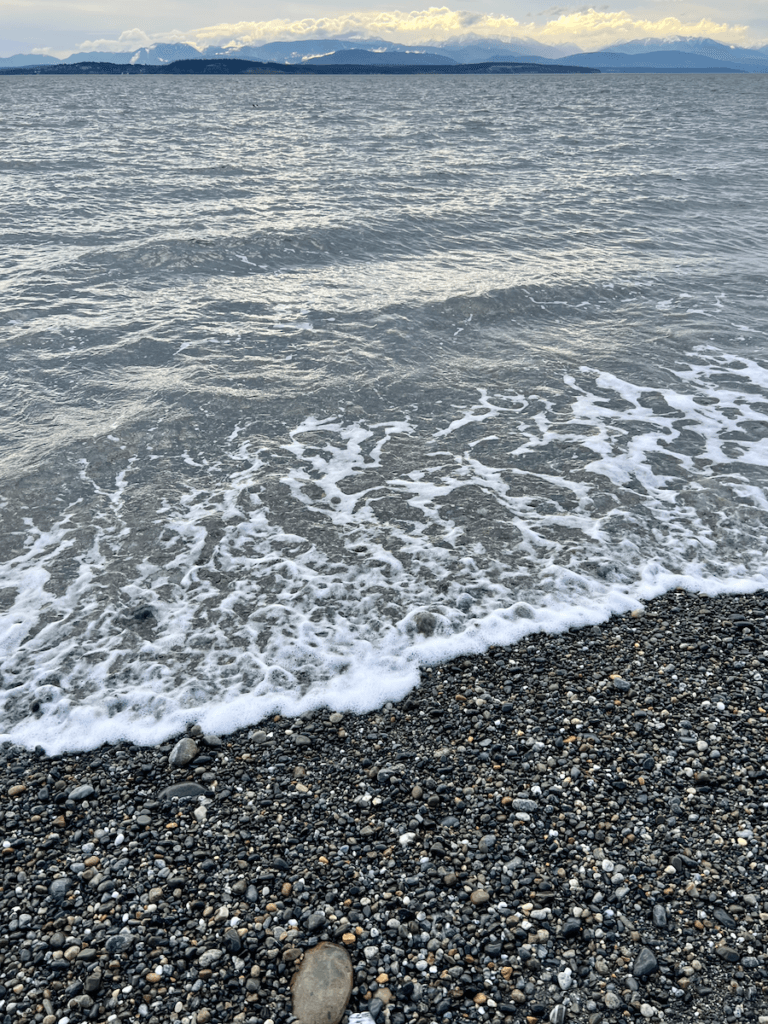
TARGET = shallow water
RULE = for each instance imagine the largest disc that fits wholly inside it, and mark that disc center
(306, 383)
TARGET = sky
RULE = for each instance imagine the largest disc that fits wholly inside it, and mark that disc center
(61, 27)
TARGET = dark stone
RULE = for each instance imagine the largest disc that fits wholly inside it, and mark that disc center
(232, 942)
(181, 789)
(728, 954)
(645, 963)
(316, 921)
(92, 983)
(724, 918)
(659, 916)
(571, 928)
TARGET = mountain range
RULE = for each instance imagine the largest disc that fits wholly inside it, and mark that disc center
(659, 55)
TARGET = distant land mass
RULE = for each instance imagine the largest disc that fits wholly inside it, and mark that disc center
(229, 66)
(673, 55)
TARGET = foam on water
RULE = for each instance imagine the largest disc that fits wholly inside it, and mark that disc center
(360, 382)
(233, 610)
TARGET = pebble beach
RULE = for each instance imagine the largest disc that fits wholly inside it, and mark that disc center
(570, 829)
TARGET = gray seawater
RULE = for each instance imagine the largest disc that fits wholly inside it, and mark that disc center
(307, 383)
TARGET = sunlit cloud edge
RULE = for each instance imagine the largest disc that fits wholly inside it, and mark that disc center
(585, 30)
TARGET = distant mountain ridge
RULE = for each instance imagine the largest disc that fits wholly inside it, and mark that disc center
(662, 55)
(360, 57)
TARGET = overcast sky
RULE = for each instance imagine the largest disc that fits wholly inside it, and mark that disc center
(63, 26)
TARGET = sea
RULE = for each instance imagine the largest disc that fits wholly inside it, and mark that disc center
(306, 384)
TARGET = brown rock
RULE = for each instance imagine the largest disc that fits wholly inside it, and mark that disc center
(479, 898)
(322, 986)
(153, 979)
(203, 1016)
(17, 790)
(349, 939)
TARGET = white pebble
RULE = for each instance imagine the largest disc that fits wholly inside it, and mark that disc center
(119, 839)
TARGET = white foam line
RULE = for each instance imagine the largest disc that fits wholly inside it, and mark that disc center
(606, 496)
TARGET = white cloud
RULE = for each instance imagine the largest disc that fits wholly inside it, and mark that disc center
(131, 39)
(593, 30)
(588, 29)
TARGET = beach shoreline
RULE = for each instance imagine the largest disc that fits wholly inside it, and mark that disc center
(568, 829)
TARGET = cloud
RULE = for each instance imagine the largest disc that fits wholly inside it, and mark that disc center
(595, 29)
(131, 39)
(588, 29)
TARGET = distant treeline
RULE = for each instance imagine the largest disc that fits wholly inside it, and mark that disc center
(231, 66)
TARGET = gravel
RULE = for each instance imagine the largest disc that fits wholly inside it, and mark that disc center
(518, 840)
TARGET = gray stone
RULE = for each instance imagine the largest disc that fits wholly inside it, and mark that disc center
(212, 741)
(485, 844)
(118, 943)
(181, 789)
(557, 1014)
(209, 957)
(375, 1007)
(727, 953)
(258, 736)
(59, 888)
(335, 718)
(316, 921)
(92, 983)
(302, 741)
(611, 1000)
(322, 986)
(645, 963)
(521, 804)
(186, 750)
(82, 792)
(659, 916)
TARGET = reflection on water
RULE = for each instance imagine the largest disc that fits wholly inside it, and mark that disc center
(307, 382)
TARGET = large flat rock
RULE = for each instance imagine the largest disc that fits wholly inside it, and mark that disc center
(323, 984)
